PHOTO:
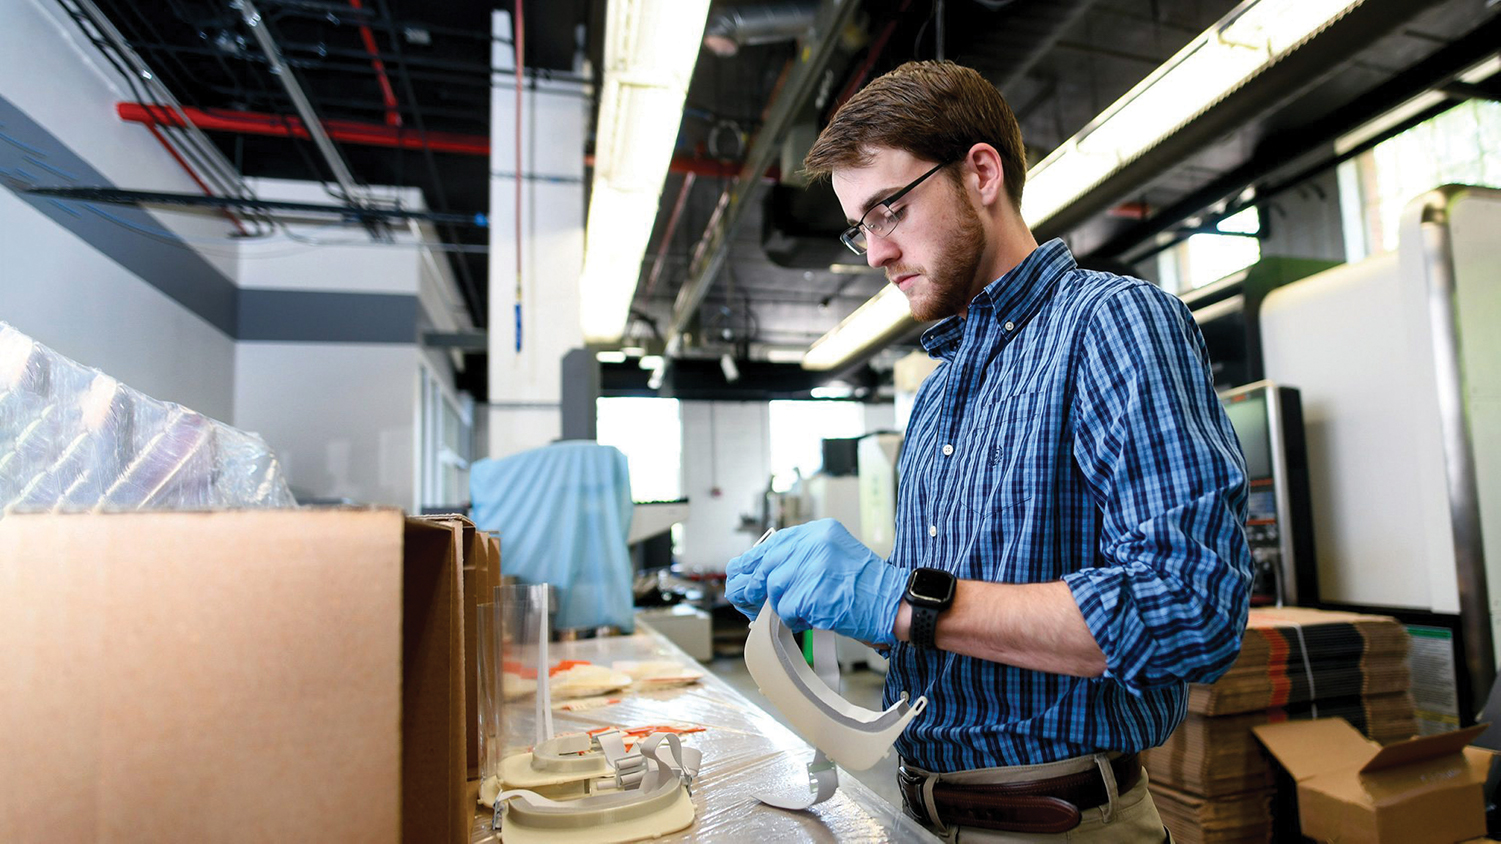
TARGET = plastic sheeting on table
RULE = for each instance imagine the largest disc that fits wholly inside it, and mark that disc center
(75, 439)
(563, 513)
(745, 751)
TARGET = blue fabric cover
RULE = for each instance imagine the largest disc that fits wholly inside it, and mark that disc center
(563, 513)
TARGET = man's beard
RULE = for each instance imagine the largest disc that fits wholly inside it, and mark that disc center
(948, 287)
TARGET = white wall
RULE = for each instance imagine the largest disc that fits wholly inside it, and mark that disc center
(339, 258)
(57, 289)
(880, 416)
(341, 417)
(127, 297)
(60, 290)
(737, 461)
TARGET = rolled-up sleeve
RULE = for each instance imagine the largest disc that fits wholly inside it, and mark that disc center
(1168, 595)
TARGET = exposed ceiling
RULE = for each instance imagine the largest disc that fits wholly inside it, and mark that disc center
(424, 68)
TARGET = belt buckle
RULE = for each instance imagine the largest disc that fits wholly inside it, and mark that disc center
(911, 786)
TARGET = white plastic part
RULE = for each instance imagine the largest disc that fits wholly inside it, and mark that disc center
(571, 757)
(852, 736)
(660, 805)
(823, 781)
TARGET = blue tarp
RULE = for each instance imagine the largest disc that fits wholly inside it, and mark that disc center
(563, 513)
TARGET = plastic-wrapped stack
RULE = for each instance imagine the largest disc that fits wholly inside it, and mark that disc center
(74, 439)
(1211, 780)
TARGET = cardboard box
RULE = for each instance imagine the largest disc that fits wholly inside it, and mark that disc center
(1353, 790)
(231, 676)
(1238, 819)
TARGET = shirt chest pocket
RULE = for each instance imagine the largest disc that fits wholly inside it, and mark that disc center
(997, 468)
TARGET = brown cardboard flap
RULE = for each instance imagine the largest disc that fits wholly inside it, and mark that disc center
(432, 714)
(1421, 748)
(476, 592)
(1309, 748)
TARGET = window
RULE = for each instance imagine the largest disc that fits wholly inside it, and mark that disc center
(798, 429)
(1460, 146)
(447, 434)
(650, 432)
(1206, 258)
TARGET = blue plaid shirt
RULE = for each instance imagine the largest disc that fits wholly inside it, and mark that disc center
(1072, 432)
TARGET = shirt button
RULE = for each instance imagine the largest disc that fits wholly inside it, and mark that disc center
(947, 449)
(1010, 325)
(932, 530)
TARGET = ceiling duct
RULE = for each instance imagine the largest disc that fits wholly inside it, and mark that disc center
(734, 27)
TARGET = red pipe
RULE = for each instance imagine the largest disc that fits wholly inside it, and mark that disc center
(672, 226)
(374, 134)
(387, 95)
(348, 131)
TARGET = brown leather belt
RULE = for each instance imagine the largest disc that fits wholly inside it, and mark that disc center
(1041, 806)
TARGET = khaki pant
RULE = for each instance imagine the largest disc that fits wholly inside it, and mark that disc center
(1131, 818)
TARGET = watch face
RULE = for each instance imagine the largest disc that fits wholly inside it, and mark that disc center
(931, 586)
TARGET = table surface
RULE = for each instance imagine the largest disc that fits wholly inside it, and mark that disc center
(745, 750)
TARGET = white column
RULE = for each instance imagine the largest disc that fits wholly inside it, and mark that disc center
(524, 383)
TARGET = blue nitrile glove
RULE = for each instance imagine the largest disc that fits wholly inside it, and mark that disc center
(817, 575)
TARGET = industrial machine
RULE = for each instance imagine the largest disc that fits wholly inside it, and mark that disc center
(1268, 419)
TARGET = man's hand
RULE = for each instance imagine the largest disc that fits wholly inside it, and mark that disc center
(817, 575)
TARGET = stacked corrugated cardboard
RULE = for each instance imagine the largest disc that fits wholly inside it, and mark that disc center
(1211, 780)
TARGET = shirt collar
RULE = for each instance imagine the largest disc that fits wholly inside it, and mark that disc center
(1012, 299)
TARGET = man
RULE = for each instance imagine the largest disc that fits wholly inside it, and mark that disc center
(1069, 551)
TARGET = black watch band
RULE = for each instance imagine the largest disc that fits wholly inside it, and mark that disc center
(929, 593)
(924, 628)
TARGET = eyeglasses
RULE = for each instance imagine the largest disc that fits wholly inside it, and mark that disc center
(880, 220)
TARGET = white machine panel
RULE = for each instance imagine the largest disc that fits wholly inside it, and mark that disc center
(1399, 362)
(1351, 340)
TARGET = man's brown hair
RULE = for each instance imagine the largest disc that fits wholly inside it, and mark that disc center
(933, 110)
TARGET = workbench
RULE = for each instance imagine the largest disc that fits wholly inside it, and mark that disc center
(745, 750)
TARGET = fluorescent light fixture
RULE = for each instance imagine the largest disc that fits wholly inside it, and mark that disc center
(610, 357)
(650, 362)
(728, 367)
(776, 354)
(832, 390)
(650, 49)
(879, 320)
(1417, 105)
(632, 351)
(1226, 56)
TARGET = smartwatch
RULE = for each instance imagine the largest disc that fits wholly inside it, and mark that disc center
(929, 592)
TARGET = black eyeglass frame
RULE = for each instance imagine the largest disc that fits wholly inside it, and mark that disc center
(849, 235)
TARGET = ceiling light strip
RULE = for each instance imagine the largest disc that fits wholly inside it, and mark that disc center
(651, 47)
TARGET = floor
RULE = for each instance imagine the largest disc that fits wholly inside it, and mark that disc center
(861, 687)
